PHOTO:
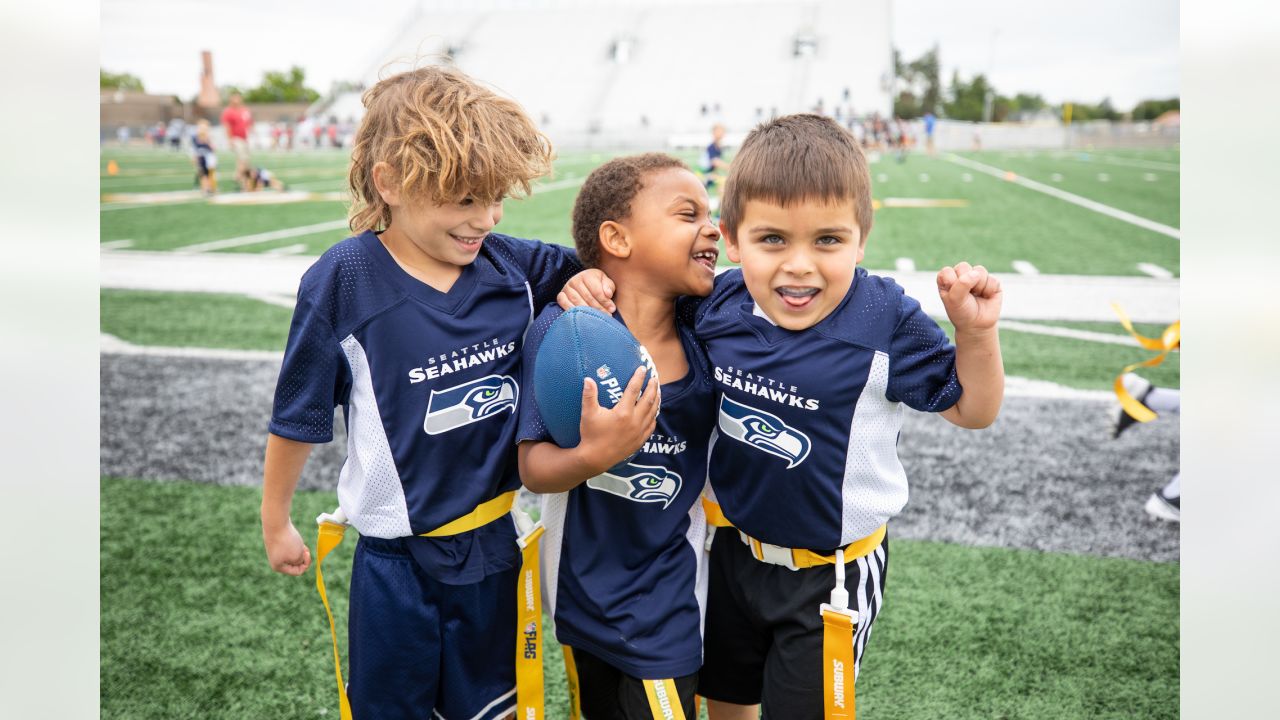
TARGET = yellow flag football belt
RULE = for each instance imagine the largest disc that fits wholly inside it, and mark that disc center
(1168, 341)
(839, 623)
(664, 701)
(529, 688)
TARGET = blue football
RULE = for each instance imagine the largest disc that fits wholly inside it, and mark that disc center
(581, 343)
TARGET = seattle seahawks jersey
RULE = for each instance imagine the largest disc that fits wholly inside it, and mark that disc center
(805, 449)
(428, 381)
(624, 569)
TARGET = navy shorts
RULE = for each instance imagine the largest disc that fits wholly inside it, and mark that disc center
(420, 648)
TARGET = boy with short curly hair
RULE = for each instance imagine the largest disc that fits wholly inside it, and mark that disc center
(626, 569)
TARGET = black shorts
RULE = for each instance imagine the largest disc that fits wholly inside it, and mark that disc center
(763, 639)
(607, 693)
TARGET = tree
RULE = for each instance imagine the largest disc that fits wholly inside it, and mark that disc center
(927, 68)
(281, 87)
(967, 99)
(119, 81)
(1084, 112)
(1152, 109)
(919, 85)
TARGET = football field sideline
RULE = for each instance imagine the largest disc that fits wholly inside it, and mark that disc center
(1026, 297)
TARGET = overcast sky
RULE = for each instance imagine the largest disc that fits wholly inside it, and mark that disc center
(1083, 50)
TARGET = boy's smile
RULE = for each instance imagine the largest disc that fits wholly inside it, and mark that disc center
(437, 240)
(671, 232)
(797, 261)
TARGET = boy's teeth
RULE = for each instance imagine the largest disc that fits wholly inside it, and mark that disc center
(798, 292)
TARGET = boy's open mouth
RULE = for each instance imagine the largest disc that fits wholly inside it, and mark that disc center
(468, 243)
(707, 258)
(796, 297)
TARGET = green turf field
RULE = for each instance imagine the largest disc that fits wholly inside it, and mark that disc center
(195, 625)
(1001, 223)
(231, 321)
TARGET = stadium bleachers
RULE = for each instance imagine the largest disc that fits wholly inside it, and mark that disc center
(632, 72)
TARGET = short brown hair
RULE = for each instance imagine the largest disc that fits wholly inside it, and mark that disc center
(607, 194)
(447, 138)
(796, 158)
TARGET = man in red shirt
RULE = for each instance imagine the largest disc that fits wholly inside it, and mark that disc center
(236, 119)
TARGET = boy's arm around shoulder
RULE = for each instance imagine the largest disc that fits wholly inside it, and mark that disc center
(972, 298)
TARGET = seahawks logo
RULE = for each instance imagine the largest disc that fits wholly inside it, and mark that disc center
(639, 483)
(763, 431)
(470, 402)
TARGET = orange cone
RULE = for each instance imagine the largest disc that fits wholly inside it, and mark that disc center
(112, 168)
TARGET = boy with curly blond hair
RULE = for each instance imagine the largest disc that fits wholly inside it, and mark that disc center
(414, 326)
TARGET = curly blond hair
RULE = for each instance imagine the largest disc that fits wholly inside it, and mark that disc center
(446, 138)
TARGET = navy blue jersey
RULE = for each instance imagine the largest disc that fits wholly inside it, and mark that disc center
(805, 449)
(624, 569)
(205, 157)
(428, 381)
(709, 156)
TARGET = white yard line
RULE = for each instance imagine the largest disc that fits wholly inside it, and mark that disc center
(262, 237)
(112, 345)
(1127, 162)
(1023, 267)
(287, 301)
(905, 265)
(1072, 333)
(107, 207)
(1154, 271)
(1015, 386)
(559, 185)
(1069, 197)
(295, 249)
(116, 244)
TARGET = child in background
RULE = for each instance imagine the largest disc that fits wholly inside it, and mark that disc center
(414, 327)
(813, 359)
(626, 574)
(205, 159)
(253, 179)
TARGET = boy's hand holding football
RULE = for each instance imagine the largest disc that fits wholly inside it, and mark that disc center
(611, 435)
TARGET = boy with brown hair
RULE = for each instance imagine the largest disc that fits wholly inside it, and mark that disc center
(813, 359)
(414, 327)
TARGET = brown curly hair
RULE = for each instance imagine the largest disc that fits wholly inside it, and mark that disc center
(796, 158)
(446, 137)
(607, 194)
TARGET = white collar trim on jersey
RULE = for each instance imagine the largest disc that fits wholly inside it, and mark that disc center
(755, 310)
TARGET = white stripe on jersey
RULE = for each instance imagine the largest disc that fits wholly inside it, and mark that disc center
(533, 312)
(696, 536)
(875, 485)
(553, 510)
(369, 487)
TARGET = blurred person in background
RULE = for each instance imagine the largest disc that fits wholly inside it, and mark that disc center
(236, 118)
(1166, 502)
(204, 158)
